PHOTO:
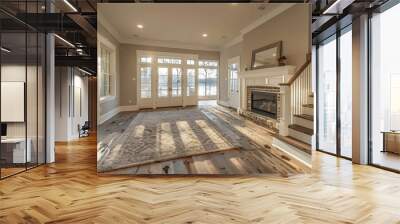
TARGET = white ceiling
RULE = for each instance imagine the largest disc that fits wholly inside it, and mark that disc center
(182, 25)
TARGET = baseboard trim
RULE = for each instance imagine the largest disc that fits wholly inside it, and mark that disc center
(105, 117)
(129, 108)
(223, 103)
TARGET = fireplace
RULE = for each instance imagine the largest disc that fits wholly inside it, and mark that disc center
(264, 103)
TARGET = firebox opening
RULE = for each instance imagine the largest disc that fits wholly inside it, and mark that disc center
(264, 103)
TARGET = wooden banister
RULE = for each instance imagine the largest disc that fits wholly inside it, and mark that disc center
(298, 73)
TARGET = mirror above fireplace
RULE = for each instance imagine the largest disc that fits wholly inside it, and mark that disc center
(267, 56)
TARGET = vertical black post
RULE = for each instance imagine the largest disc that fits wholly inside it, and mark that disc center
(338, 67)
(316, 95)
(369, 96)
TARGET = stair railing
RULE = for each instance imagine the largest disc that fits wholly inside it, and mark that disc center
(300, 85)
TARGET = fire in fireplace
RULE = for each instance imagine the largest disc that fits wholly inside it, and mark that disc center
(264, 103)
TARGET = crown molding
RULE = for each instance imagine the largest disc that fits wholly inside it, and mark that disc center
(104, 22)
(168, 44)
(258, 22)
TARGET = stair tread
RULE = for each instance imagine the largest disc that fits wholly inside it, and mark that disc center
(309, 105)
(305, 116)
(294, 142)
(302, 129)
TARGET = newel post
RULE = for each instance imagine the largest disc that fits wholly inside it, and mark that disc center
(284, 120)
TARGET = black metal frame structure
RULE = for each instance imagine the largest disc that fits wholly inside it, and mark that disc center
(339, 30)
(36, 33)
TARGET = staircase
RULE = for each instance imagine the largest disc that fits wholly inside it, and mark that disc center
(301, 118)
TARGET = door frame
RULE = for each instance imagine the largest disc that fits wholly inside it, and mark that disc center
(152, 102)
(234, 60)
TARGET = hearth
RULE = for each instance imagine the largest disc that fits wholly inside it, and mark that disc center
(264, 103)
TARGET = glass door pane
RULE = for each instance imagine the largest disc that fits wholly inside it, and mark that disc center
(176, 82)
(211, 89)
(202, 82)
(327, 96)
(346, 94)
(191, 82)
(14, 153)
(385, 89)
(162, 82)
(145, 82)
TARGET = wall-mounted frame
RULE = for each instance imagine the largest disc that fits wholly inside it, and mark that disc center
(267, 56)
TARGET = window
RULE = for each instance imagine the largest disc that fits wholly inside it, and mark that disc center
(146, 60)
(327, 95)
(210, 63)
(385, 89)
(191, 82)
(173, 61)
(106, 75)
(208, 72)
(176, 82)
(233, 78)
(346, 93)
(190, 62)
(162, 82)
(145, 82)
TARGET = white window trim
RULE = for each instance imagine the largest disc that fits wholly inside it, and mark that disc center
(102, 41)
(234, 60)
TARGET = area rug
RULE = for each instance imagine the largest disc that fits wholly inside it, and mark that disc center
(171, 133)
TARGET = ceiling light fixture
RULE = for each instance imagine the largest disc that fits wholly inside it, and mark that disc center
(5, 50)
(86, 72)
(204, 35)
(70, 5)
(64, 40)
(140, 26)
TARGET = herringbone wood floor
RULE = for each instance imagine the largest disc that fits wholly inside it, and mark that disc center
(70, 191)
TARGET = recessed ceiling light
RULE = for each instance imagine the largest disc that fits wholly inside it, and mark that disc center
(140, 26)
(204, 35)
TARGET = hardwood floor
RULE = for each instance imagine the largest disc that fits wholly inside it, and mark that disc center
(203, 140)
(70, 191)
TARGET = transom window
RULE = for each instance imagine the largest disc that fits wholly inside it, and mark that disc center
(145, 60)
(208, 63)
(173, 61)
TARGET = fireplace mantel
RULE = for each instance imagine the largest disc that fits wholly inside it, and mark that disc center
(279, 74)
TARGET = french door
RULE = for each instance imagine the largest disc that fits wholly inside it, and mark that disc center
(169, 86)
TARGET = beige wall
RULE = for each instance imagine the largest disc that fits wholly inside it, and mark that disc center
(110, 105)
(292, 27)
(127, 64)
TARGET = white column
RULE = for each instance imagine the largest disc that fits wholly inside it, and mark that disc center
(360, 90)
(50, 100)
(285, 110)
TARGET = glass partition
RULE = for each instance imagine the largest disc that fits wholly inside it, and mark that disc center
(385, 89)
(22, 98)
(327, 96)
(346, 93)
